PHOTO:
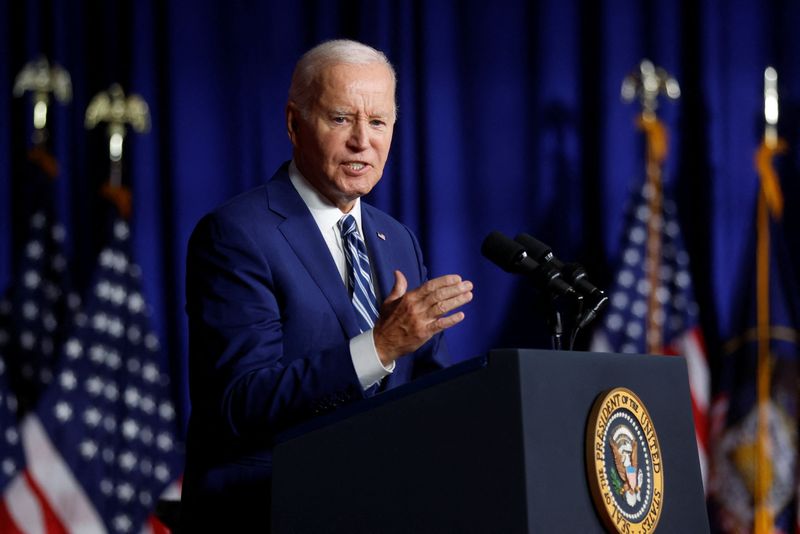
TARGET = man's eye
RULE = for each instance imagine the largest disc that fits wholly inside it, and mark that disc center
(377, 122)
(339, 120)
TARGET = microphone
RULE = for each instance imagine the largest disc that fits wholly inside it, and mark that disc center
(512, 258)
(572, 273)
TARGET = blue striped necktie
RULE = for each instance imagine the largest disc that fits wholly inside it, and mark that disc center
(359, 275)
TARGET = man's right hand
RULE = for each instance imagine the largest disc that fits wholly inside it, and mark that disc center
(410, 318)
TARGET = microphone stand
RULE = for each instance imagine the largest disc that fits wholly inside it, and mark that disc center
(553, 320)
(575, 309)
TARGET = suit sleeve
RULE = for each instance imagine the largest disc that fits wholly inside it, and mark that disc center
(240, 379)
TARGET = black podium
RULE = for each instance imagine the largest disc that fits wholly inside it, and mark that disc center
(495, 444)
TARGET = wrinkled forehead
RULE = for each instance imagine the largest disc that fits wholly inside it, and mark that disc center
(341, 83)
(358, 70)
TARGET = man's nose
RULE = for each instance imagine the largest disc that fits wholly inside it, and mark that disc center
(359, 136)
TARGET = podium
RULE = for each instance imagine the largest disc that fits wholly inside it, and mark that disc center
(494, 444)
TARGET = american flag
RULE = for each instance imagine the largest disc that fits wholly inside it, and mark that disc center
(33, 312)
(675, 321)
(102, 443)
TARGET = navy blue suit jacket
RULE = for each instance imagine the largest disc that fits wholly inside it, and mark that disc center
(270, 323)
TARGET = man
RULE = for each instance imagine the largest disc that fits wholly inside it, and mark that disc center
(283, 290)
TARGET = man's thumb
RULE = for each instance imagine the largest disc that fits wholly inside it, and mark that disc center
(400, 287)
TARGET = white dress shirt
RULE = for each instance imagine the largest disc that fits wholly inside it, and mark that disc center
(368, 366)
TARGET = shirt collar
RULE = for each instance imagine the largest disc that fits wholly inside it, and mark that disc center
(325, 213)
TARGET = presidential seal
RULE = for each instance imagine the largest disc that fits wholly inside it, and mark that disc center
(623, 463)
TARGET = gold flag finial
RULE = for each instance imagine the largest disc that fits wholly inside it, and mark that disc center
(114, 108)
(648, 83)
(771, 107)
(41, 79)
(771, 146)
(118, 111)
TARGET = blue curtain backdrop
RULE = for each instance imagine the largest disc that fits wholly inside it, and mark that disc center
(510, 119)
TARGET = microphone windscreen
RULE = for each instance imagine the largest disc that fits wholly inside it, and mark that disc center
(535, 248)
(501, 250)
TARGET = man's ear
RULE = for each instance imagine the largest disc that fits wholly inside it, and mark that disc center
(292, 121)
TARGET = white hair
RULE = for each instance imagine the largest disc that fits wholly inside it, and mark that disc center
(310, 66)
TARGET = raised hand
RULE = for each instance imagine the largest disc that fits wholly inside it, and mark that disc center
(410, 318)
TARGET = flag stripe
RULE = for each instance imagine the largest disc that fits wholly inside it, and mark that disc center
(154, 526)
(7, 524)
(53, 524)
(57, 483)
(693, 349)
(20, 507)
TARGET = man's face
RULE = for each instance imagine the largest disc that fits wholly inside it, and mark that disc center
(342, 145)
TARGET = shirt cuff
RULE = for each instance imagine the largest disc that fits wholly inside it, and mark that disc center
(366, 362)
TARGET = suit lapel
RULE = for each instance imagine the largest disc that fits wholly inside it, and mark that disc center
(302, 234)
(380, 253)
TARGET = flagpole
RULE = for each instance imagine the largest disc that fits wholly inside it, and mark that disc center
(656, 154)
(648, 84)
(770, 205)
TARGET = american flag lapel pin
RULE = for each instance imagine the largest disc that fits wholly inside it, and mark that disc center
(381, 236)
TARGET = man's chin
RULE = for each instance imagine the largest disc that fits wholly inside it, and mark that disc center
(354, 188)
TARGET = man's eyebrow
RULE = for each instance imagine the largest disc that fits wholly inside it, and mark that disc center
(380, 114)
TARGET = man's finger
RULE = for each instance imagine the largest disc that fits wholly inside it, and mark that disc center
(443, 323)
(399, 288)
(447, 305)
(443, 281)
(448, 292)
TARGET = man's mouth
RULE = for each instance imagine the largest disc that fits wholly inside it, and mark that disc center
(355, 165)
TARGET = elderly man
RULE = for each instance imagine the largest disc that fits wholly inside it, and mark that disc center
(300, 297)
